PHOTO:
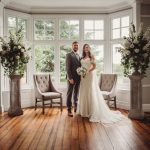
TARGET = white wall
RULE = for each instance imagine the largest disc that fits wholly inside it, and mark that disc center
(1, 34)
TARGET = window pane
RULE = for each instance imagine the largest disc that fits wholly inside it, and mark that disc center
(64, 49)
(99, 24)
(117, 68)
(98, 52)
(88, 24)
(44, 58)
(93, 30)
(22, 23)
(44, 30)
(99, 35)
(69, 29)
(88, 35)
(24, 78)
(12, 22)
(116, 23)
(125, 32)
(125, 21)
(116, 33)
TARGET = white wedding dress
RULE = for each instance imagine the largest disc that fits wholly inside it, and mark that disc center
(91, 103)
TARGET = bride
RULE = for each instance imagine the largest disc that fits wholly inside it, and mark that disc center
(91, 103)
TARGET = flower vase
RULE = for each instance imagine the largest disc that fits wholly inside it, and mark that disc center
(15, 96)
(136, 111)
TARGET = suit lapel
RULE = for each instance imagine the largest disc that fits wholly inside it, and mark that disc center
(73, 54)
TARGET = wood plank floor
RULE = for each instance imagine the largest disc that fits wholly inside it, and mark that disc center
(56, 131)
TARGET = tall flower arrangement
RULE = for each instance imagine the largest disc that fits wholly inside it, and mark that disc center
(135, 51)
(14, 55)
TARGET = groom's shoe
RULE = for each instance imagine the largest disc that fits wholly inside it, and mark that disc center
(75, 109)
(70, 114)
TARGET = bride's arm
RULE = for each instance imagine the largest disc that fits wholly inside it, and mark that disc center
(93, 64)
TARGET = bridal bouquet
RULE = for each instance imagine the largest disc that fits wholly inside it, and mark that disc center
(82, 71)
(14, 54)
(135, 51)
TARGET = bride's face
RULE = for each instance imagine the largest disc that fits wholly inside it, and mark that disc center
(87, 49)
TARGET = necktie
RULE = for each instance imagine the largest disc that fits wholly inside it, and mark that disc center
(77, 55)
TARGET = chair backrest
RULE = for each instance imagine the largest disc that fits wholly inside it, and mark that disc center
(42, 82)
(107, 82)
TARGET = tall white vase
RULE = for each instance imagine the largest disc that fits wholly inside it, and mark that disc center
(136, 111)
(15, 96)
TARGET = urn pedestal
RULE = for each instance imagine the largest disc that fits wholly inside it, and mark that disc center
(136, 111)
(15, 96)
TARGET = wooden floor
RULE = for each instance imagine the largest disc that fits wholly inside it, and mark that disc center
(55, 130)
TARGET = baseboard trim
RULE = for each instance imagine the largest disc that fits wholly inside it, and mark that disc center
(1, 109)
(146, 107)
(126, 106)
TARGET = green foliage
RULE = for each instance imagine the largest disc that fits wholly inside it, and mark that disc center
(44, 58)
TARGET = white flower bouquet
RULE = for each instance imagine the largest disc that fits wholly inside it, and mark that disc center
(14, 55)
(82, 71)
(135, 51)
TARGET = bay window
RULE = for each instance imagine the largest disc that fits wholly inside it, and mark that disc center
(53, 36)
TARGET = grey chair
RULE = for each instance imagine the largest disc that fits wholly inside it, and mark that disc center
(45, 91)
(107, 85)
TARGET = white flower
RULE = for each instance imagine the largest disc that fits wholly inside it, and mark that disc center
(126, 44)
(145, 55)
(131, 60)
(142, 63)
(137, 50)
(19, 47)
(17, 57)
(135, 41)
(140, 30)
(22, 50)
(147, 33)
(131, 46)
(128, 52)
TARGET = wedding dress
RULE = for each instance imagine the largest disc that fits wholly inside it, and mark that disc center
(91, 103)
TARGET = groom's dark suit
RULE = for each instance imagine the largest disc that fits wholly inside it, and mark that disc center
(72, 63)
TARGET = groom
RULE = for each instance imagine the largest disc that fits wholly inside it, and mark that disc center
(73, 79)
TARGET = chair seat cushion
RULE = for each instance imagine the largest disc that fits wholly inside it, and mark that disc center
(51, 95)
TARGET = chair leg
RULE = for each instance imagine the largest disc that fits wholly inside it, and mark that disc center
(115, 102)
(61, 104)
(35, 104)
(43, 106)
(108, 100)
(51, 103)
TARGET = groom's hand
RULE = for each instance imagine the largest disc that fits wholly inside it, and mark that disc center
(71, 81)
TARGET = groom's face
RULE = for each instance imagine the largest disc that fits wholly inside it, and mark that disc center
(75, 47)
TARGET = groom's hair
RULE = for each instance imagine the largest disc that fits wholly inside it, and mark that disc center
(75, 42)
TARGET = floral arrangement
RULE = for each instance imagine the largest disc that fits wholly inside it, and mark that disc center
(82, 71)
(135, 51)
(13, 54)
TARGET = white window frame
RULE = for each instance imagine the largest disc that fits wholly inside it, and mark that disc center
(119, 40)
(107, 42)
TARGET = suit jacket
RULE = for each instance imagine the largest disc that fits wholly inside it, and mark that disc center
(72, 63)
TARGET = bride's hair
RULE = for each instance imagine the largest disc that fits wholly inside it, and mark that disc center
(83, 52)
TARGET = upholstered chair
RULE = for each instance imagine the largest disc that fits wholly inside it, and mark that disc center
(107, 86)
(45, 91)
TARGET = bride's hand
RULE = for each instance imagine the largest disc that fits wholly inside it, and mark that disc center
(88, 71)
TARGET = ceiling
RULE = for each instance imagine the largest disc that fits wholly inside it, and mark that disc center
(46, 6)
